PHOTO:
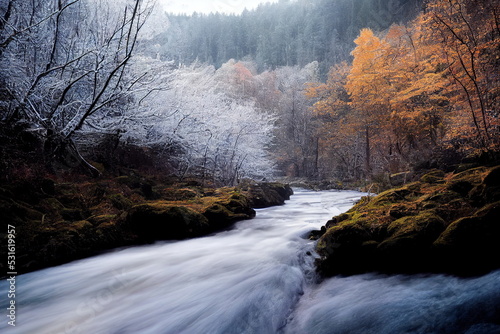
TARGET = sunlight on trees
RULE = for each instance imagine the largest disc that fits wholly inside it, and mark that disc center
(429, 85)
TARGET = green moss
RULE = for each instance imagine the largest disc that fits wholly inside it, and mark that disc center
(425, 227)
(345, 234)
(470, 234)
(473, 175)
(72, 214)
(439, 198)
(120, 202)
(82, 226)
(434, 176)
(162, 221)
(98, 220)
(388, 197)
(400, 210)
(174, 194)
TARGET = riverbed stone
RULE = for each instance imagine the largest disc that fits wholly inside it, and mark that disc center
(266, 194)
(164, 221)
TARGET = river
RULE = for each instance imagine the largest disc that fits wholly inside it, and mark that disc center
(257, 277)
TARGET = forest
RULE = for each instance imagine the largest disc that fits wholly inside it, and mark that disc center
(332, 89)
(140, 151)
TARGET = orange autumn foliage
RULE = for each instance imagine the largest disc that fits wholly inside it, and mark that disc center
(432, 84)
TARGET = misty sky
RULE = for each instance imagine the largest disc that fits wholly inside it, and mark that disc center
(207, 6)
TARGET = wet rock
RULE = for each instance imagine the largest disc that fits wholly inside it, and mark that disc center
(262, 195)
(471, 243)
(443, 223)
(163, 221)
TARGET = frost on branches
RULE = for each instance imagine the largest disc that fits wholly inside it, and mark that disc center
(207, 126)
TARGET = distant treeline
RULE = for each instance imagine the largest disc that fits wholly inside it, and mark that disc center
(286, 33)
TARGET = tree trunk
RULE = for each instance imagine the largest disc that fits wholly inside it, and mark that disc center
(63, 150)
(368, 168)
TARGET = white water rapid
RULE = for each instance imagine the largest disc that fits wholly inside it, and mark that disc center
(255, 278)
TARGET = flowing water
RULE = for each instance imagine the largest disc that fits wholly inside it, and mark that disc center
(255, 278)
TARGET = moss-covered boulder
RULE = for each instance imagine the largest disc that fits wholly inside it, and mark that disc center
(120, 202)
(223, 213)
(264, 194)
(434, 176)
(164, 221)
(442, 223)
(347, 246)
(472, 243)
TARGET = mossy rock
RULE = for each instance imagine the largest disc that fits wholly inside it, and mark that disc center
(109, 234)
(219, 216)
(262, 195)
(461, 187)
(163, 221)
(469, 234)
(438, 198)
(400, 210)
(434, 176)
(344, 235)
(120, 202)
(391, 196)
(470, 245)
(98, 220)
(473, 175)
(488, 191)
(239, 204)
(225, 212)
(337, 219)
(417, 231)
(347, 248)
(72, 214)
(173, 194)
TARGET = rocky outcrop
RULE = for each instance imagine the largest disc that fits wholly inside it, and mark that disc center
(60, 222)
(442, 223)
(262, 195)
(164, 221)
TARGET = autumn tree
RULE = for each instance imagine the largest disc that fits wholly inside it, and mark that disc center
(468, 35)
(369, 87)
(418, 103)
(338, 139)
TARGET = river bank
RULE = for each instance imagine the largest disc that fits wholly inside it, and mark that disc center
(61, 221)
(256, 278)
(444, 222)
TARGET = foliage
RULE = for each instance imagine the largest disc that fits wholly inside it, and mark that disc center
(427, 86)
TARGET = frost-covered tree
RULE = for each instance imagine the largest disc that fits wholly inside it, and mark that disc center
(65, 62)
(210, 131)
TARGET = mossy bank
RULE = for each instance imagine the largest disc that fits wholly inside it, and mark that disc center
(57, 222)
(442, 223)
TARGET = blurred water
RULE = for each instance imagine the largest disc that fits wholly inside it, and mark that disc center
(256, 278)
